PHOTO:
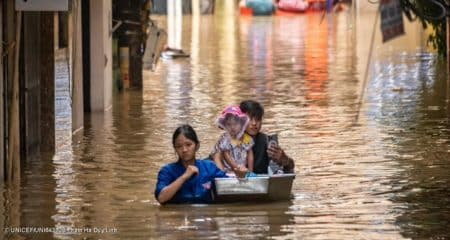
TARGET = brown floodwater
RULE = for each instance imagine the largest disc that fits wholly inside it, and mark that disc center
(375, 170)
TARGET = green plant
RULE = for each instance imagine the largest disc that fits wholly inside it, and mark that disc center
(430, 12)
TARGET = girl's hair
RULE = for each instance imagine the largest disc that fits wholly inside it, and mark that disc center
(187, 131)
(253, 109)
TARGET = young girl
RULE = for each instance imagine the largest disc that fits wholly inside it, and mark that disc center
(187, 180)
(235, 145)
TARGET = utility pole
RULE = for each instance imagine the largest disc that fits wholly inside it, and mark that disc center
(13, 161)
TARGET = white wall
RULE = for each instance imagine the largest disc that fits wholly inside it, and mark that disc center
(101, 55)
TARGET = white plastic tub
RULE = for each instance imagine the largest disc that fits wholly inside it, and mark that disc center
(260, 188)
(231, 186)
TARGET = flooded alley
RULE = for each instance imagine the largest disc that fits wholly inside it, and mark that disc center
(371, 155)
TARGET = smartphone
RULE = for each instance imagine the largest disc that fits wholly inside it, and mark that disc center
(272, 140)
(273, 168)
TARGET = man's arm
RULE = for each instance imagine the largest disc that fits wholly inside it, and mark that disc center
(288, 164)
(279, 156)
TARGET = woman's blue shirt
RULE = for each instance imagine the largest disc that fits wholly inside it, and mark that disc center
(198, 189)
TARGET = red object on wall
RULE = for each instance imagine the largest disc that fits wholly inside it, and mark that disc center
(245, 11)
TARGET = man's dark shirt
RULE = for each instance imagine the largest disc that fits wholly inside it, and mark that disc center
(260, 156)
(261, 159)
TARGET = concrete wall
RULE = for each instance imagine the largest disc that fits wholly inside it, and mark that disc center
(101, 54)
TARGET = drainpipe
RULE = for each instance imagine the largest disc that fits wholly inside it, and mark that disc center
(448, 67)
(448, 45)
(448, 52)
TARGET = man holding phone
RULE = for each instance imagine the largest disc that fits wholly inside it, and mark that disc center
(262, 151)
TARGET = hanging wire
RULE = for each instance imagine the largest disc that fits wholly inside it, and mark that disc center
(366, 73)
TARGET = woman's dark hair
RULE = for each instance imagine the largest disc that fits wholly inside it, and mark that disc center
(252, 108)
(187, 131)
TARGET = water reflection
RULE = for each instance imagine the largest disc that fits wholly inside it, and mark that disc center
(231, 221)
(412, 109)
(385, 177)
